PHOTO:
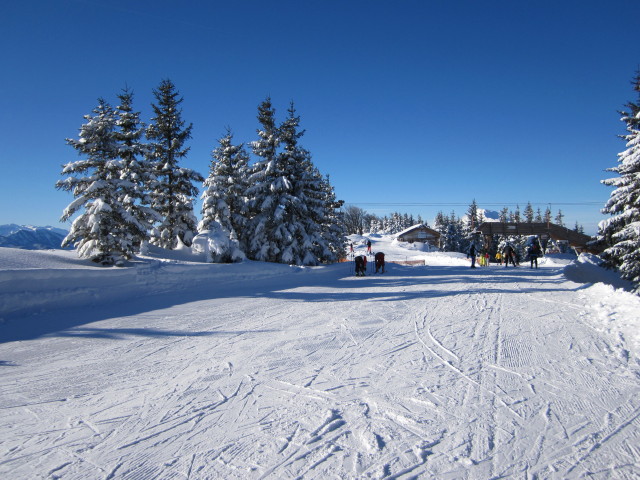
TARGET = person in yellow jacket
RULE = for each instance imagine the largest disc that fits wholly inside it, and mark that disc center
(499, 258)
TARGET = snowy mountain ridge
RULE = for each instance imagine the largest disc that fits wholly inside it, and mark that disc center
(31, 237)
(10, 228)
(487, 215)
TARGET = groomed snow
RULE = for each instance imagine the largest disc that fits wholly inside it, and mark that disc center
(172, 368)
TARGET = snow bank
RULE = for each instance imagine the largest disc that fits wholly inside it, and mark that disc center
(587, 269)
(615, 312)
(36, 281)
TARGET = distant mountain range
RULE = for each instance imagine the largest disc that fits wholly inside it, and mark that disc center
(487, 215)
(31, 238)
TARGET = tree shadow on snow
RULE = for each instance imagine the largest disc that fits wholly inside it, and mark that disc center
(120, 333)
(329, 284)
(421, 281)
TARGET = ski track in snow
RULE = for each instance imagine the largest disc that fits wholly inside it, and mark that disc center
(423, 372)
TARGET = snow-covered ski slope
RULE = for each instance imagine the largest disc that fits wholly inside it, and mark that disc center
(174, 370)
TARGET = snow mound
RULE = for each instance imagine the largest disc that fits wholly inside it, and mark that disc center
(615, 312)
(588, 268)
(35, 281)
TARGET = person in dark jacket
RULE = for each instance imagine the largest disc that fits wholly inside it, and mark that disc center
(361, 265)
(472, 254)
(509, 254)
(534, 253)
(379, 262)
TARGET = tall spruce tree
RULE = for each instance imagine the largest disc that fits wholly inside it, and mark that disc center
(223, 198)
(174, 191)
(292, 209)
(333, 229)
(452, 239)
(528, 213)
(301, 230)
(136, 172)
(266, 184)
(621, 231)
(504, 215)
(98, 233)
(472, 216)
(516, 215)
(439, 222)
(538, 218)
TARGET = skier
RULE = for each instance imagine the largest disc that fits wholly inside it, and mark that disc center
(509, 254)
(379, 262)
(361, 265)
(534, 252)
(472, 254)
(368, 246)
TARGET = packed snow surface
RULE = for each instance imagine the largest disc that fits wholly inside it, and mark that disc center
(172, 368)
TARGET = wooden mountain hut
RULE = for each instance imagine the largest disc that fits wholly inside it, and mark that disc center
(546, 231)
(419, 233)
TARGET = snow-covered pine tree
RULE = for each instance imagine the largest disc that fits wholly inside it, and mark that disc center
(504, 215)
(269, 190)
(454, 240)
(318, 227)
(559, 220)
(516, 215)
(406, 221)
(302, 242)
(621, 231)
(393, 224)
(538, 218)
(332, 226)
(465, 228)
(439, 222)
(440, 226)
(472, 216)
(292, 208)
(375, 225)
(223, 198)
(98, 232)
(528, 213)
(135, 172)
(174, 192)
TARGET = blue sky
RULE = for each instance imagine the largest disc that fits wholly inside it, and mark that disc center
(412, 105)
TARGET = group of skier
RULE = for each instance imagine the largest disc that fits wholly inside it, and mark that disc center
(360, 261)
(361, 264)
(507, 254)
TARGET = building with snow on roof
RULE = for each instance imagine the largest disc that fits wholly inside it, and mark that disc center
(419, 233)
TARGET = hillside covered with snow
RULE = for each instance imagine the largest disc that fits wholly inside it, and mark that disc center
(174, 368)
(31, 238)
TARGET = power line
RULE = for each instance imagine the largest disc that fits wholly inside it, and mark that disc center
(454, 204)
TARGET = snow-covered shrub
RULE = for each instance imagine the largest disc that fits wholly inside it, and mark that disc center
(217, 246)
